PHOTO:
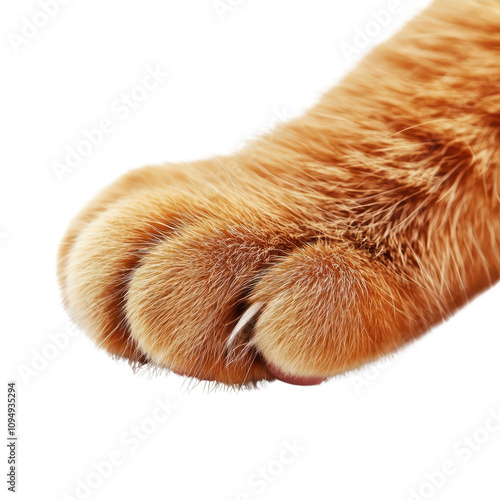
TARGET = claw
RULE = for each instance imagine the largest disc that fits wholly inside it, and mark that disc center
(247, 316)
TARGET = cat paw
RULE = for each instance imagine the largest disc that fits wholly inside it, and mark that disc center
(218, 283)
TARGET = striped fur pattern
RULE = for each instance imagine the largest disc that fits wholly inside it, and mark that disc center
(334, 240)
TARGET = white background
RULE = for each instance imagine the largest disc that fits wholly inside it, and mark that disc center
(377, 433)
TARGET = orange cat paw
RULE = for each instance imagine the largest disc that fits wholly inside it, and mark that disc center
(223, 287)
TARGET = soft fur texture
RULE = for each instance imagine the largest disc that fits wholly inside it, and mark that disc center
(345, 233)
